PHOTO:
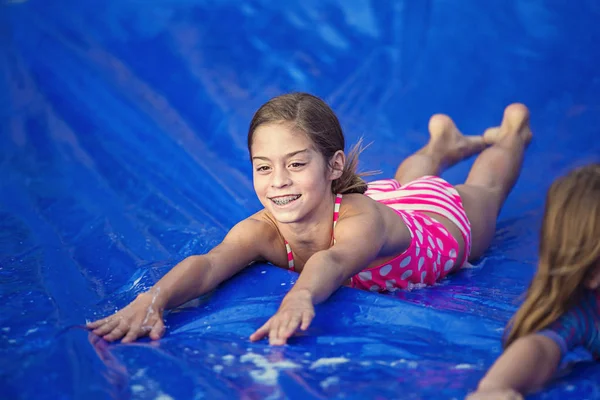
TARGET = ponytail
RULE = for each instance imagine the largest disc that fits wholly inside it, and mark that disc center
(351, 181)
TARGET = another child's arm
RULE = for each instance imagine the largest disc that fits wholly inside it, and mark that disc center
(359, 239)
(532, 360)
(189, 279)
(527, 364)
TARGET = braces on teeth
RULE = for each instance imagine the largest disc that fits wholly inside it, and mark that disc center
(285, 200)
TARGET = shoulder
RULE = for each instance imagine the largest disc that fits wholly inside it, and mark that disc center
(370, 212)
(360, 214)
(580, 313)
(260, 233)
(356, 204)
(578, 324)
(258, 226)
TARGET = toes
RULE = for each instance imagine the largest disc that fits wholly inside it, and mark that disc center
(517, 109)
(440, 123)
(516, 120)
(515, 116)
(491, 135)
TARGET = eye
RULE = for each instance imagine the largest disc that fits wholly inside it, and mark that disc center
(262, 168)
(297, 165)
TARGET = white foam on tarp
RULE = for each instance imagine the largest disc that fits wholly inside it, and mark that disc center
(464, 366)
(322, 362)
(30, 331)
(140, 373)
(268, 372)
(137, 388)
(332, 380)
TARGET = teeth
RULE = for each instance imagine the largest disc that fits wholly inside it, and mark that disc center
(281, 201)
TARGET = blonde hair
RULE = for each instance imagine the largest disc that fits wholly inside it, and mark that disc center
(312, 116)
(569, 250)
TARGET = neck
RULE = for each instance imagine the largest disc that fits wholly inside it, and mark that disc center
(315, 229)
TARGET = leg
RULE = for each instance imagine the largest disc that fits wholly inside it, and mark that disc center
(494, 174)
(446, 147)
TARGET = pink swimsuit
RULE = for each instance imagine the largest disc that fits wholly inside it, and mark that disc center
(433, 252)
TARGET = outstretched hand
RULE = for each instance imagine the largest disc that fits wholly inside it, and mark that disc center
(296, 311)
(142, 317)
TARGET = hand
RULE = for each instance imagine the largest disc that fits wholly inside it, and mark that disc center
(296, 310)
(495, 394)
(143, 316)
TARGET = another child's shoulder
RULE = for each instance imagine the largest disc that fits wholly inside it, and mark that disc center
(595, 302)
(591, 300)
(588, 307)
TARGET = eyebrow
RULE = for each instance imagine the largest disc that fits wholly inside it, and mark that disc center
(288, 155)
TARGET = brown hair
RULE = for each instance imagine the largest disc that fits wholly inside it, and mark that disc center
(316, 119)
(569, 250)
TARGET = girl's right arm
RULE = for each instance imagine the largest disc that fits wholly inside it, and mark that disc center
(192, 277)
(527, 364)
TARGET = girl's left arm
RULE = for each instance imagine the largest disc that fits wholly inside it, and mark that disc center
(359, 239)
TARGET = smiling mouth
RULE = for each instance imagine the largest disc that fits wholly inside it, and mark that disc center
(283, 200)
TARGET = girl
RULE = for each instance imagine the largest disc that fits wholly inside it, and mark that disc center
(322, 220)
(562, 307)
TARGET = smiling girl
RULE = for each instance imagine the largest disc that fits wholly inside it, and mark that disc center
(323, 221)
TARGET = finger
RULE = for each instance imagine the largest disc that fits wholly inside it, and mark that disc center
(261, 332)
(274, 338)
(98, 323)
(307, 318)
(117, 333)
(157, 330)
(135, 331)
(288, 330)
(106, 328)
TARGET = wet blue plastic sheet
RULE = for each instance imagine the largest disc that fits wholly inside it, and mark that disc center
(123, 151)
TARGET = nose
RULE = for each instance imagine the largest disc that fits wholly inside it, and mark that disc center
(280, 178)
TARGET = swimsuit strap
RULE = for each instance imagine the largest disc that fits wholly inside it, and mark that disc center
(290, 256)
(336, 215)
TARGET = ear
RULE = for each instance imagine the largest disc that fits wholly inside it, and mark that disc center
(336, 165)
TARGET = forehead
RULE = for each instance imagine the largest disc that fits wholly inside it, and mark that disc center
(279, 139)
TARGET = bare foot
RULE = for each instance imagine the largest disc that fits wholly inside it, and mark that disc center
(490, 134)
(449, 144)
(514, 123)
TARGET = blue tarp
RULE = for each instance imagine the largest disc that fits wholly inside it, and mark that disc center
(122, 151)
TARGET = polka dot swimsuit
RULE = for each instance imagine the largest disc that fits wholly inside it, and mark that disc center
(433, 251)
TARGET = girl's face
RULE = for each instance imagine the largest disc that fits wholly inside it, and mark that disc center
(291, 178)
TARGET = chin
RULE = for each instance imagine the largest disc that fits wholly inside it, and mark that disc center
(284, 216)
(287, 215)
